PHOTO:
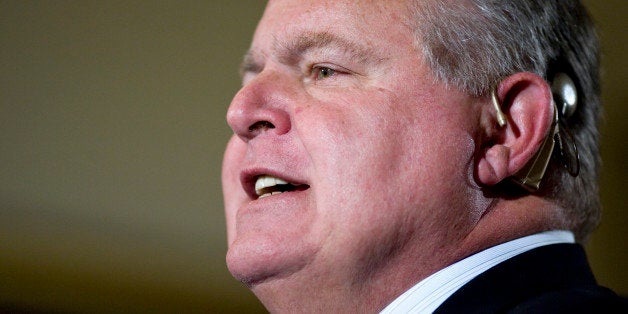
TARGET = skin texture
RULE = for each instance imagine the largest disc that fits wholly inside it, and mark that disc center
(393, 164)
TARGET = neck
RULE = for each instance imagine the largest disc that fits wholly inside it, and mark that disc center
(371, 286)
(511, 219)
(326, 289)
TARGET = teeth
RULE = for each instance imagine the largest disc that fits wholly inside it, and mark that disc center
(269, 194)
(264, 182)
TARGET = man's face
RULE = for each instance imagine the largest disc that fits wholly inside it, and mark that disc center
(378, 156)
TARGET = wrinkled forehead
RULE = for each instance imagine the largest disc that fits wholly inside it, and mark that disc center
(369, 20)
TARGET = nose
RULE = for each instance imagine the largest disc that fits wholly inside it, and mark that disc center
(261, 107)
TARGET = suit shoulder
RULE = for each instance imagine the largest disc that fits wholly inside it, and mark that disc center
(590, 299)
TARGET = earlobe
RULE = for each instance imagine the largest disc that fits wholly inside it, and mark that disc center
(526, 101)
(493, 167)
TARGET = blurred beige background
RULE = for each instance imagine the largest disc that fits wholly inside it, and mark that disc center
(111, 137)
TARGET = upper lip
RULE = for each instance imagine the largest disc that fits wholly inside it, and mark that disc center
(250, 176)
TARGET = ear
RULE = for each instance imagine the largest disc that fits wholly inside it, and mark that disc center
(526, 99)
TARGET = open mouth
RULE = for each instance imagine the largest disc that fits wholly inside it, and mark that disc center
(266, 185)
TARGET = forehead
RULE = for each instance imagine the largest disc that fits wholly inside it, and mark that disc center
(369, 21)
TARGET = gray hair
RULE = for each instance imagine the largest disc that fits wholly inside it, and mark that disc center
(473, 44)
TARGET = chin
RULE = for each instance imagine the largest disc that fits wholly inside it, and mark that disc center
(257, 261)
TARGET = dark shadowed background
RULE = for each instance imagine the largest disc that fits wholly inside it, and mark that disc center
(111, 137)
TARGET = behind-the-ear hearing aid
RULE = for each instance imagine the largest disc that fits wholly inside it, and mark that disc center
(565, 93)
(532, 173)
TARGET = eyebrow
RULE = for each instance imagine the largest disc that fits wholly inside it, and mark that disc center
(290, 51)
(250, 63)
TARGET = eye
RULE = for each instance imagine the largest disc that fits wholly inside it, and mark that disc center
(321, 72)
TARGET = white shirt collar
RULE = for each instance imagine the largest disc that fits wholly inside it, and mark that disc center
(432, 291)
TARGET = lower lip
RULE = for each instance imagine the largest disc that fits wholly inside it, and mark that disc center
(295, 192)
(278, 210)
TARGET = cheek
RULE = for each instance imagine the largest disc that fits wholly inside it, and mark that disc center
(354, 147)
(395, 160)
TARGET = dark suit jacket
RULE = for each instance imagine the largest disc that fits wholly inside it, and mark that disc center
(550, 279)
